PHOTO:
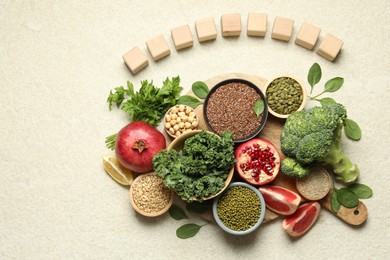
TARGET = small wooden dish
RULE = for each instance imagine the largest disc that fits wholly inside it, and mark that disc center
(139, 210)
(304, 93)
(169, 113)
(178, 144)
(316, 185)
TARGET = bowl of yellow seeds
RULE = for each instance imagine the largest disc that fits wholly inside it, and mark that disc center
(240, 209)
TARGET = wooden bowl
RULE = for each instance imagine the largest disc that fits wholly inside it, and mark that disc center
(304, 93)
(178, 145)
(141, 211)
(169, 114)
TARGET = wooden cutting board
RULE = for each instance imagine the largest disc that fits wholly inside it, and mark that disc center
(271, 132)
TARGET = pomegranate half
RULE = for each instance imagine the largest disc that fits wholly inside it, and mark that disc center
(136, 144)
(257, 161)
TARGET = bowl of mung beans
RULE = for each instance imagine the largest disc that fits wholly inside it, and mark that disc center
(240, 209)
(285, 95)
(230, 106)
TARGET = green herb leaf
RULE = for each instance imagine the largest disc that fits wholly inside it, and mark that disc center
(347, 198)
(334, 84)
(334, 203)
(189, 101)
(200, 89)
(314, 75)
(361, 190)
(187, 230)
(326, 101)
(177, 213)
(259, 107)
(110, 141)
(352, 130)
(198, 207)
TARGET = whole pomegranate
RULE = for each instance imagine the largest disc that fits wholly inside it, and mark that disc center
(257, 161)
(136, 144)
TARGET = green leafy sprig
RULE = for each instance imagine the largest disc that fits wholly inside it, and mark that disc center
(351, 128)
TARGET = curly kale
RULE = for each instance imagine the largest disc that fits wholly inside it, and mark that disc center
(200, 168)
(314, 135)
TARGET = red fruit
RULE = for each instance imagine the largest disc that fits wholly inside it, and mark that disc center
(302, 220)
(136, 144)
(257, 161)
(280, 200)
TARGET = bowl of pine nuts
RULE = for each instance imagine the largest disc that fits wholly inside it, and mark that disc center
(180, 119)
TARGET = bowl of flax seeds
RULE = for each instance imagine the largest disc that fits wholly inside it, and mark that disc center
(229, 106)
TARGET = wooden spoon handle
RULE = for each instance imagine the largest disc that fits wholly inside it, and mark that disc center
(354, 216)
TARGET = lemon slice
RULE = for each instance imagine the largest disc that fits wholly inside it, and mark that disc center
(119, 173)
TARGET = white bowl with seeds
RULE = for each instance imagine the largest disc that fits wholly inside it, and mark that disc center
(180, 119)
(149, 196)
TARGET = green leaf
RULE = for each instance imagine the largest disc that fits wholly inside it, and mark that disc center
(189, 101)
(198, 207)
(352, 130)
(326, 101)
(334, 84)
(259, 107)
(200, 89)
(334, 203)
(177, 213)
(347, 198)
(314, 75)
(187, 230)
(361, 190)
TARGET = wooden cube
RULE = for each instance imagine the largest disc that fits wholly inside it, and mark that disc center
(135, 59)
(307, 36)
(282, 29)
(158, 47)
(182, 37)
(231, 25)
(257, 24)
(330, 47)
(206, 29)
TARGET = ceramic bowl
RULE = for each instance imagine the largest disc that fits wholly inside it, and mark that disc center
(178, 145)
(233, 100)
(303, 89)
(251, 229)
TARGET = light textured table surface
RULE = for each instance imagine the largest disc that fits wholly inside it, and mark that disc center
(59, 59)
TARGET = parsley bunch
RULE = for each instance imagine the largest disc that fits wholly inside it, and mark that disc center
(150, 103)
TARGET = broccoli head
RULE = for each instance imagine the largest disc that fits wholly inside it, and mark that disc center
(314, 135)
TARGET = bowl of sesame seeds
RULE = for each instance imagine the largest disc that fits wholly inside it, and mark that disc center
(230, 106)
(149, 196)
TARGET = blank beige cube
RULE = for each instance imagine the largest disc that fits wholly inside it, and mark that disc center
(257, 24)
(231, 25)
(282, 29)
(182, 37)
(135, 59)
(158, 47)
(330, 47)
(307, 36)
(206, 29)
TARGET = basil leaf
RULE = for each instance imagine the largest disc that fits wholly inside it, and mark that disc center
(200, 89)
(177, 213)
(314, 75)
(326, 101)
(334, 84)
(259, 107)
(334, 203)
(361, 190)
(198, 207)
(347, 198)
(187, 230)
(189, 101)
(352, 130)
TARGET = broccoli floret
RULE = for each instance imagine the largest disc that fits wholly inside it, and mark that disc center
(314, 135)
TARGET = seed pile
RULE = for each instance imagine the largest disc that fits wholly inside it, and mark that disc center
(150, 194)
(239, 208)
(315, 185)
(284, 95)
(231, 108)
(179, 119)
